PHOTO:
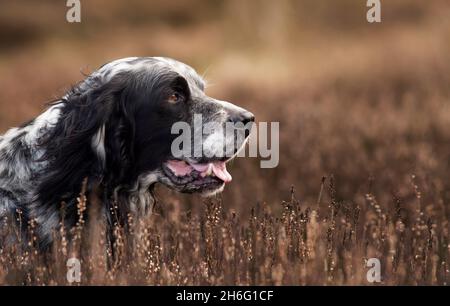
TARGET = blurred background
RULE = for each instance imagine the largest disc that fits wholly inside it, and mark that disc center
(366, 103)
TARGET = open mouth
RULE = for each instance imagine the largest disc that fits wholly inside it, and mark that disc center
(194, 177)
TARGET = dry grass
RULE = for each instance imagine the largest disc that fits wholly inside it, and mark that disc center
(327, 243)
(367, 106)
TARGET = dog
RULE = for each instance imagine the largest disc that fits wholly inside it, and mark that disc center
(112, 135)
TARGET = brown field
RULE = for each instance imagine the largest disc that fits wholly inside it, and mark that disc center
(364, 112)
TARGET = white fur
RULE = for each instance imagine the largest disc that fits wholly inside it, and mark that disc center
(98, 144)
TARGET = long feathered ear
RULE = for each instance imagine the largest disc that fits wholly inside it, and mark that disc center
(70, 147)
(118, 144)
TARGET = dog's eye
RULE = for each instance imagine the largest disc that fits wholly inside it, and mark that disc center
(175, 98)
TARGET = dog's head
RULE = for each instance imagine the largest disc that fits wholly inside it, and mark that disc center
(149, 120)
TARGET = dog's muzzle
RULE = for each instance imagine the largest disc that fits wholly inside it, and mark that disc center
(207, 175)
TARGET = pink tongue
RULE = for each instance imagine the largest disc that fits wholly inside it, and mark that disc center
(219, 169)
(200, 167)
(179, 168)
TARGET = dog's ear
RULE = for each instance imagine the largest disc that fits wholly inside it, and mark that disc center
(94, 126)
(119, 134)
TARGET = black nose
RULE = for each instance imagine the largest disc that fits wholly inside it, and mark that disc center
(243, 117)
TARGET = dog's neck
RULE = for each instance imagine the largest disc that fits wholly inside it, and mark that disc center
(21, 150)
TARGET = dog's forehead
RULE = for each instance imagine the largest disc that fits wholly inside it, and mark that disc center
(152, 64)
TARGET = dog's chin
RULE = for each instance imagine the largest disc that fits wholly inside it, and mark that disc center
(208, 178)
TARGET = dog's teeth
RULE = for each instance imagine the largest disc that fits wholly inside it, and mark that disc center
(208, 172)
(205, 174)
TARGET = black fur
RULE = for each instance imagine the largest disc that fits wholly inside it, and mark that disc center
(111, 131)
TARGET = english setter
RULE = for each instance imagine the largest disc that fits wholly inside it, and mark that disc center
(113, 131)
